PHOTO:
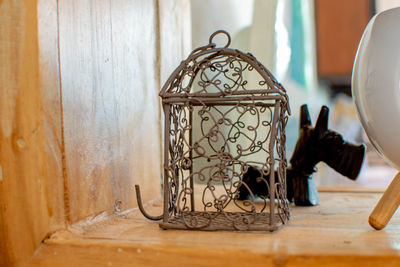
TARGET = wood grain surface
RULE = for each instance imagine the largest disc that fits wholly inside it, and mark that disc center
(24, 207)
(108, 55)
(175, 35)
(336, 233)
(80, 110)
(51, 111)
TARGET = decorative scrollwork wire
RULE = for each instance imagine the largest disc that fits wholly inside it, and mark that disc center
(224, 113)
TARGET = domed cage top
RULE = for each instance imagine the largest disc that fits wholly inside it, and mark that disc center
(224, 154)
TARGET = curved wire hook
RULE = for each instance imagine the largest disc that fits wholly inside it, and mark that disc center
(220, 32)
(141, 208)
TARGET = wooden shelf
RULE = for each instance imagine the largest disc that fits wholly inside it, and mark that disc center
(334, 233)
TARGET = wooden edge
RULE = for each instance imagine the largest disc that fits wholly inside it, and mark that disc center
(107, 253)
(349, 189)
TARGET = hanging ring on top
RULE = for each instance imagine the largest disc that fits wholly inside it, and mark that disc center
(220, 32)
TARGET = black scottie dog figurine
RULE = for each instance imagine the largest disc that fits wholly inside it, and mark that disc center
(313, 145)
(252, 178)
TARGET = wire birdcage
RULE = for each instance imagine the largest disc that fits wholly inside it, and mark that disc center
(224, 114)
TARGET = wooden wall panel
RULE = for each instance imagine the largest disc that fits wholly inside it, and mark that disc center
(25, 218)
(51, 111)
(79, 106)
(134, 48)
(175, 43)
(110, 103)
(175, 35)
(339, 26)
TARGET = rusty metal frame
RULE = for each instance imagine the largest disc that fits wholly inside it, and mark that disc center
(237, 127)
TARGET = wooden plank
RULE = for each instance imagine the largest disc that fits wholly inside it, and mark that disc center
(339, 26)
(25, 217)
(135, 72)
(84, 37)
(175, 35)
(127, 255)
(52, 117)
(111, 127)
(174, 45)
(336, 233)
(4, 247)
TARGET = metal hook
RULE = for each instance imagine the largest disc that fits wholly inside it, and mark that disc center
(141, 208)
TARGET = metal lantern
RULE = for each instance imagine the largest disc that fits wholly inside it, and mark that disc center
(224, 114)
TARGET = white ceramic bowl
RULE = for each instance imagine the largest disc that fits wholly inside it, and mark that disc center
(376, 84)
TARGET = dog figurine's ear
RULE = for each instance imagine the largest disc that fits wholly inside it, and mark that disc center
(305, 119)
(322, 122)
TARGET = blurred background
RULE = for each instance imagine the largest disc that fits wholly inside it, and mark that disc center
(310, 46)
